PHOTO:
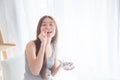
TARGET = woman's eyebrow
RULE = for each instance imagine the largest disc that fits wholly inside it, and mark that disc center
(43, 22)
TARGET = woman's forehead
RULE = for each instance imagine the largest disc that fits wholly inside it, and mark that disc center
(47, 20)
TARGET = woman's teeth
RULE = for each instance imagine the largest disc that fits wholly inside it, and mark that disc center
(49, 32)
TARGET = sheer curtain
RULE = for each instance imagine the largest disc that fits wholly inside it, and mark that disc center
(18, 22)
(89, 38)
(88, 33)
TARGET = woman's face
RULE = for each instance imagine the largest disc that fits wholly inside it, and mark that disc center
(49, 27)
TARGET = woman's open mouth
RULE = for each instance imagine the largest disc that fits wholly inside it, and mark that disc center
(49, 32)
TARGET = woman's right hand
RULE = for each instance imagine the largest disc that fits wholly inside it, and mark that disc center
(43, 37)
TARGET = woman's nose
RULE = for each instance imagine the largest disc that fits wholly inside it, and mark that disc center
(48, 26)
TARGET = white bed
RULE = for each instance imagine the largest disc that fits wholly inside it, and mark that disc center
(13, 68)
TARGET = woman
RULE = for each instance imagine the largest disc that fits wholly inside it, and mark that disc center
(40, 54)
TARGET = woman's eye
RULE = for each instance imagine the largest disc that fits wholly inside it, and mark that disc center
(51, 24)
(44, 24)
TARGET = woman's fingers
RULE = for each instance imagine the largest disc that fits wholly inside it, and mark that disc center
(44, 33)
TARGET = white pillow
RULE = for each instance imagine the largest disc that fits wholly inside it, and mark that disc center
(13, 69)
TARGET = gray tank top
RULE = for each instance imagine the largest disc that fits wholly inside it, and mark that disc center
(28, 75)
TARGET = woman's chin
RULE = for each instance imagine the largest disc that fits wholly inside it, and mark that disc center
(49, 36)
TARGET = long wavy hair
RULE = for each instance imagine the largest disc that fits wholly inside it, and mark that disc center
(43, 70)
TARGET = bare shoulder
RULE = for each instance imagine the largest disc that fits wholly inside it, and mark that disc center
(30, 52)
(30, 46)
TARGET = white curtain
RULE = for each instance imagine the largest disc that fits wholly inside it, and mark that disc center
(88, 33)
(18, 22)
(89, 37)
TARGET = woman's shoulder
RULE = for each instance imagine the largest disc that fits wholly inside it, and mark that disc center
(30, 44)
(54, 47)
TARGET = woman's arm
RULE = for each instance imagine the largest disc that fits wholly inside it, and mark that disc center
(35, 62)
(55, 69)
